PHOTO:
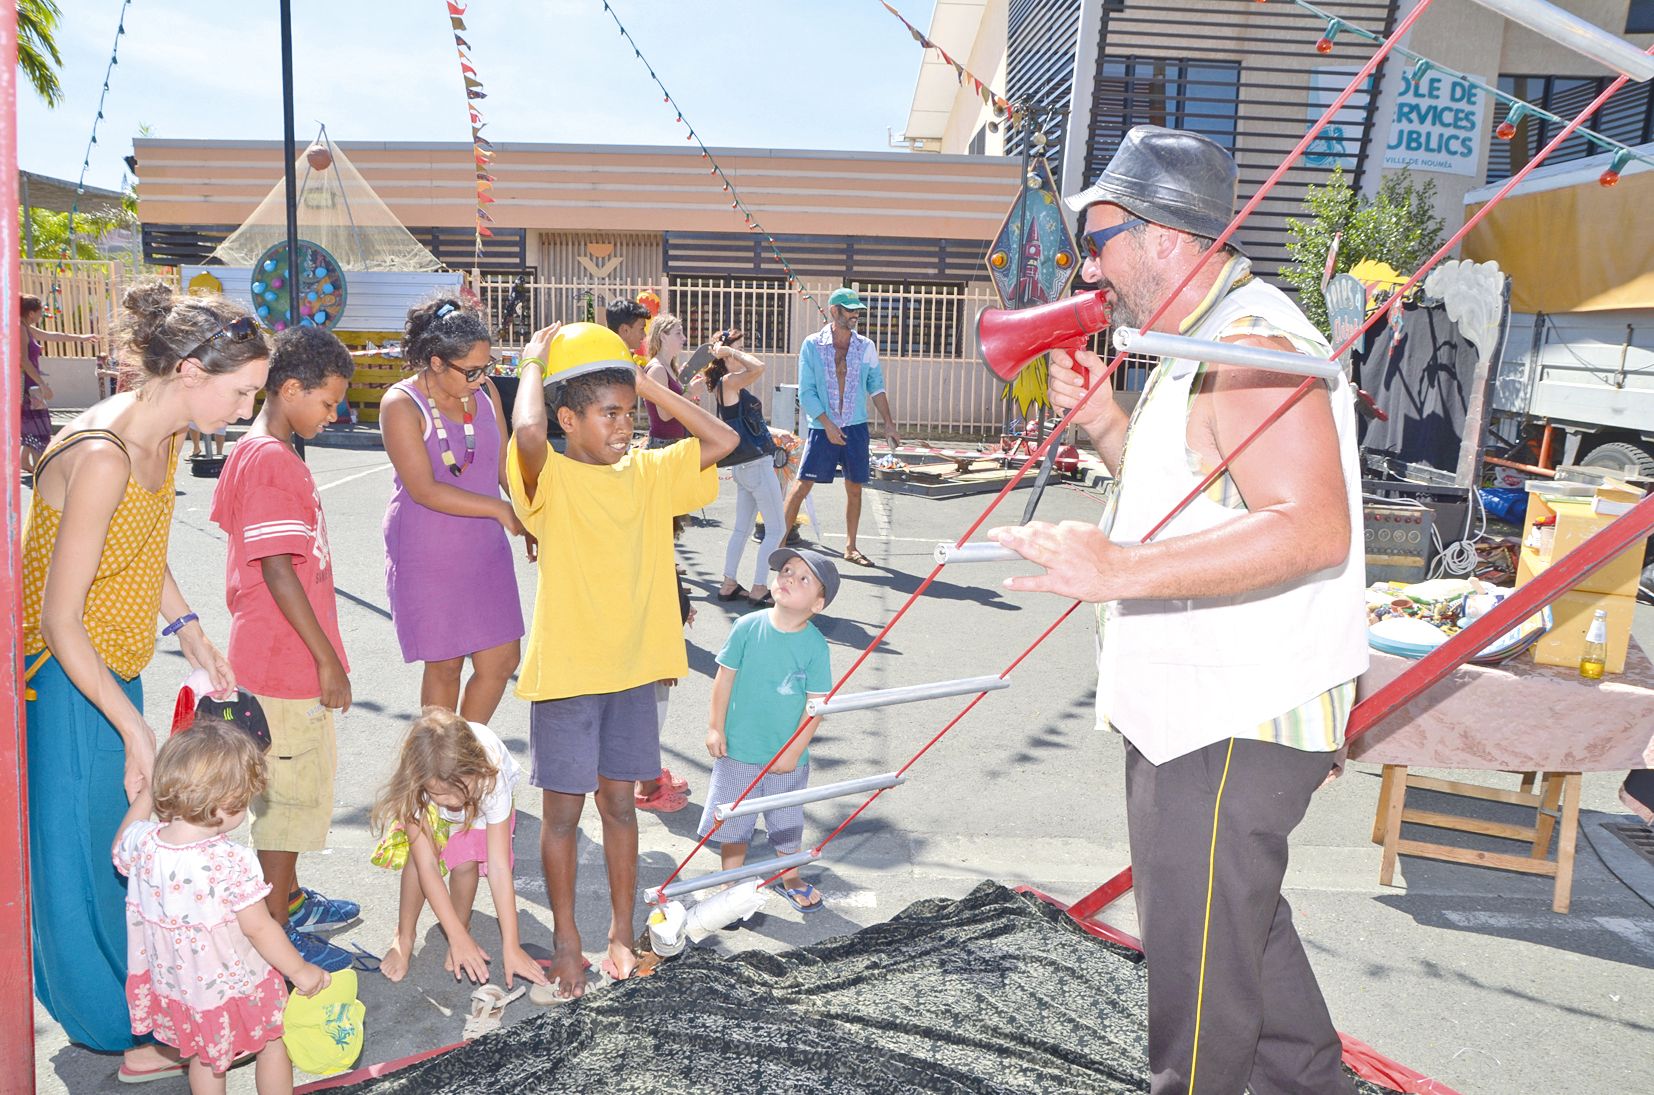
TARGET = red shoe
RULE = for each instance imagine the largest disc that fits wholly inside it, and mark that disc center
(676, 783)
(663, 801)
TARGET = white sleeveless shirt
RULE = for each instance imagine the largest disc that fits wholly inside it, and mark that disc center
(1175, 676)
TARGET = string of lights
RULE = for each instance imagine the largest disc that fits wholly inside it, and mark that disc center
(1517, 109)
(68, 248)
(715, 169)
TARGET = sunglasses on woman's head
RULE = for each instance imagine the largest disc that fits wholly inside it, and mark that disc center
(241, 329)
(473, 375)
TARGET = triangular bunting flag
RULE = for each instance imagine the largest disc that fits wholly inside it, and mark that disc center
(466, 68)
(456, 22)
(485, 176)
(461, 43)
(481, 231)
(486, 199)
(473, 93)
(483, 144)
(470, 82)
(482, 157)
(455, 9)
(484, 184)
(482, 215)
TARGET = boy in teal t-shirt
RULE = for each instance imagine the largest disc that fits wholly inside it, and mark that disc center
(773, 662)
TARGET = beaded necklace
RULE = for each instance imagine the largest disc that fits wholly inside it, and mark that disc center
(453, 465)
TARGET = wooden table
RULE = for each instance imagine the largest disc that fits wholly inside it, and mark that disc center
(1542, 721)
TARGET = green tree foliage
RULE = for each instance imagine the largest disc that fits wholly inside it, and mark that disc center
(1398, 225)
(37, 54)
(51, 232)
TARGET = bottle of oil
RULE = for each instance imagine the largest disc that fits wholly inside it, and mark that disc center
(1591, 662)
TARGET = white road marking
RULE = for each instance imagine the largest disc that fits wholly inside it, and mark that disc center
(1638, 933)
(351, 478)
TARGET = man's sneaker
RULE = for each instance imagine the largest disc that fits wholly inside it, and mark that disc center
(319, 913)
(318, 951)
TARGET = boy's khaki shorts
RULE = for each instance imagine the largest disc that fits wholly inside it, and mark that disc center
(296, 809)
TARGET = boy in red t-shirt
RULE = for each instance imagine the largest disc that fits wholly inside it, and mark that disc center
(284, 625)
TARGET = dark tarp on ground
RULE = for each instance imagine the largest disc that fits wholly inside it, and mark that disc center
(997, 992)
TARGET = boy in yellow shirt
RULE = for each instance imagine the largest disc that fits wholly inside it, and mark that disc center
(606, 624)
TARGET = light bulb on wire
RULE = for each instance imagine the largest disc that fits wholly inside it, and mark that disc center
(1324, 43)
(1611, 177)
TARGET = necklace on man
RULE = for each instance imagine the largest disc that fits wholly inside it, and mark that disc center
(453, 465)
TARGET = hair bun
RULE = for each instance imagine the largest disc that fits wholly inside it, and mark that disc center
(149, 303)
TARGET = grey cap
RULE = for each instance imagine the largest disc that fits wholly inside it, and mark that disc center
(1168, 176)
(822, 567)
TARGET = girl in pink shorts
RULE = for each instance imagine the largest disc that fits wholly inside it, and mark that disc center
(448, 810)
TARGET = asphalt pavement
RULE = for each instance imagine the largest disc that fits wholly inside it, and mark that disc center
(1462, 973)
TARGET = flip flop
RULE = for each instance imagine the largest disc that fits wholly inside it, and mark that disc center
(793, 896)
(855, 556)
(364, 961)
(737, 594)
(766, 601)
(487, 1007)
(145, 1075)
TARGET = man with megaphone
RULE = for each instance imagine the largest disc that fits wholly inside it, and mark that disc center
(1230, 642)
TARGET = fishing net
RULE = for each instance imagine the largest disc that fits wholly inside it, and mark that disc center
(996, 992)
(339, 211)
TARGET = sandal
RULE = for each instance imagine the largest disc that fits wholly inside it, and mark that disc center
(795, 897)
(665, 800)
(487, 1006)
(675, 782)
(766, 601)
(854, 555)
(736, 594)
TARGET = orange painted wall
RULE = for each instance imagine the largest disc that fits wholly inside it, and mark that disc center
(650, 189)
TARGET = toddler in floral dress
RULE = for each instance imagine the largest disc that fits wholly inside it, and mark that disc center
(200, 940)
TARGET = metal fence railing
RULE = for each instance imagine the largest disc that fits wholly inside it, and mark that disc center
(926, 334)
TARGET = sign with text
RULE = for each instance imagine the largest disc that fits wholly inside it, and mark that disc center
(1438, 124)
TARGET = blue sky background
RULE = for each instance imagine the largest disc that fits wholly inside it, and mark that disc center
(829, 74)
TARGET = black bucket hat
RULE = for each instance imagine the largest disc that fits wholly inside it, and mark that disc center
(1168, 176)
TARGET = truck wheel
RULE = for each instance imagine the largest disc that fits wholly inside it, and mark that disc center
(1623, 457)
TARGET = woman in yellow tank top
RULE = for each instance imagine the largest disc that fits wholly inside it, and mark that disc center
(95, 583)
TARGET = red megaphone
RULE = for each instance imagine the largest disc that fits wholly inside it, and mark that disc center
(1012, 337)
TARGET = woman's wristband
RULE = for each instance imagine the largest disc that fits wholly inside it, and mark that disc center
(180, 623)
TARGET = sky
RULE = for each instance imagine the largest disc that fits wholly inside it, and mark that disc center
(825, 74)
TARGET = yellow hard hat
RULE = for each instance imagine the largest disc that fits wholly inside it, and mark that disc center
(323, 1033)
(579, 348)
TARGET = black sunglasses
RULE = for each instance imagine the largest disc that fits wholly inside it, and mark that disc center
(1094, 242)
(473, 375)
(243, 329)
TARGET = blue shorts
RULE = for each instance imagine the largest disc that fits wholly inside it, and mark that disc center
(573, 741)
(822, 458)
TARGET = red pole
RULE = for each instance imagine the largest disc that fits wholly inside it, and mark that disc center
(16, 957)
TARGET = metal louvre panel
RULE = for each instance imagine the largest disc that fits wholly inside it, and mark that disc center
(1040, 45)
(731, 254)
(1239, 72)
(1628, 118)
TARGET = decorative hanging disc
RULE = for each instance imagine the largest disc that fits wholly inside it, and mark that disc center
(1034, 257)
(321, 287)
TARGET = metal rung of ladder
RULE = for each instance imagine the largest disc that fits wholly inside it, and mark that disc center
(975, 553)
(727, 810)
(1159, 344)
(734, 874)
(886, 697)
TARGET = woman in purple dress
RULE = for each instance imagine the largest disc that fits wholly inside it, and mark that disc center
(37, 415)
(448, 565)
